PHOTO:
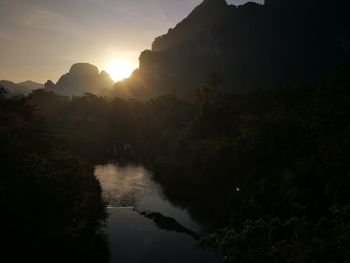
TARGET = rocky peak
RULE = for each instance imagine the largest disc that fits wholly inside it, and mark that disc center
(209, 6)
(86, 69)
(81, 78)
(203, 16)
(106, 78)
(49, 85)
(215, 2)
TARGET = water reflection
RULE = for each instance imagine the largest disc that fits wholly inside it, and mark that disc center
(124, 187)
(134, 237)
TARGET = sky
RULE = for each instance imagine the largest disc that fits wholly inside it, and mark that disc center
(41, 39)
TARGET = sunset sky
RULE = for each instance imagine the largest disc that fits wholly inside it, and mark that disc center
(41, 39)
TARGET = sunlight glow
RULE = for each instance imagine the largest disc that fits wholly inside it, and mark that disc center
(120, 69)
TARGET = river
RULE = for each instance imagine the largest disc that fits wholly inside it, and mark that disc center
(143, 226)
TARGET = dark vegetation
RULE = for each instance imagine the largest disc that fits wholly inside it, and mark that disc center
(51, 206)
(275, 164)
(270, 166)
(99, 129)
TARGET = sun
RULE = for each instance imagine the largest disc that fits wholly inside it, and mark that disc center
(120, 69)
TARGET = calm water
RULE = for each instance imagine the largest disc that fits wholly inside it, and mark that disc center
(135, 238)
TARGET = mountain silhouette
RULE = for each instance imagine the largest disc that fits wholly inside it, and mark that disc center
(14, 89)
(82, 78)
(31, 85)
(251, 47)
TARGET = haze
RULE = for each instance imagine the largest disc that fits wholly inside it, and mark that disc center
(41, 39)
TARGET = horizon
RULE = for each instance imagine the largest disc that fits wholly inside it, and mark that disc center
(41, 40)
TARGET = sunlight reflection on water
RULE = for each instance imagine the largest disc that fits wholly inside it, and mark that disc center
(133, 187)
(124, 187)
(134, 238)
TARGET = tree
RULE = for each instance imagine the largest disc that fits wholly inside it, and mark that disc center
(3, 92)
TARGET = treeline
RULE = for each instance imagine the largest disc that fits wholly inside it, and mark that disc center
(99, 129)
(51, 205)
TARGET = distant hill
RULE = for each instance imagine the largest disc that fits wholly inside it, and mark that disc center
(31, 85)
(251, 47)
(81, 78)
(14, 89)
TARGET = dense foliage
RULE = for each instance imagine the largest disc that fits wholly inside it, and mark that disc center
(51, 206)
(280, 152)
(297, 239)
(272, 166)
